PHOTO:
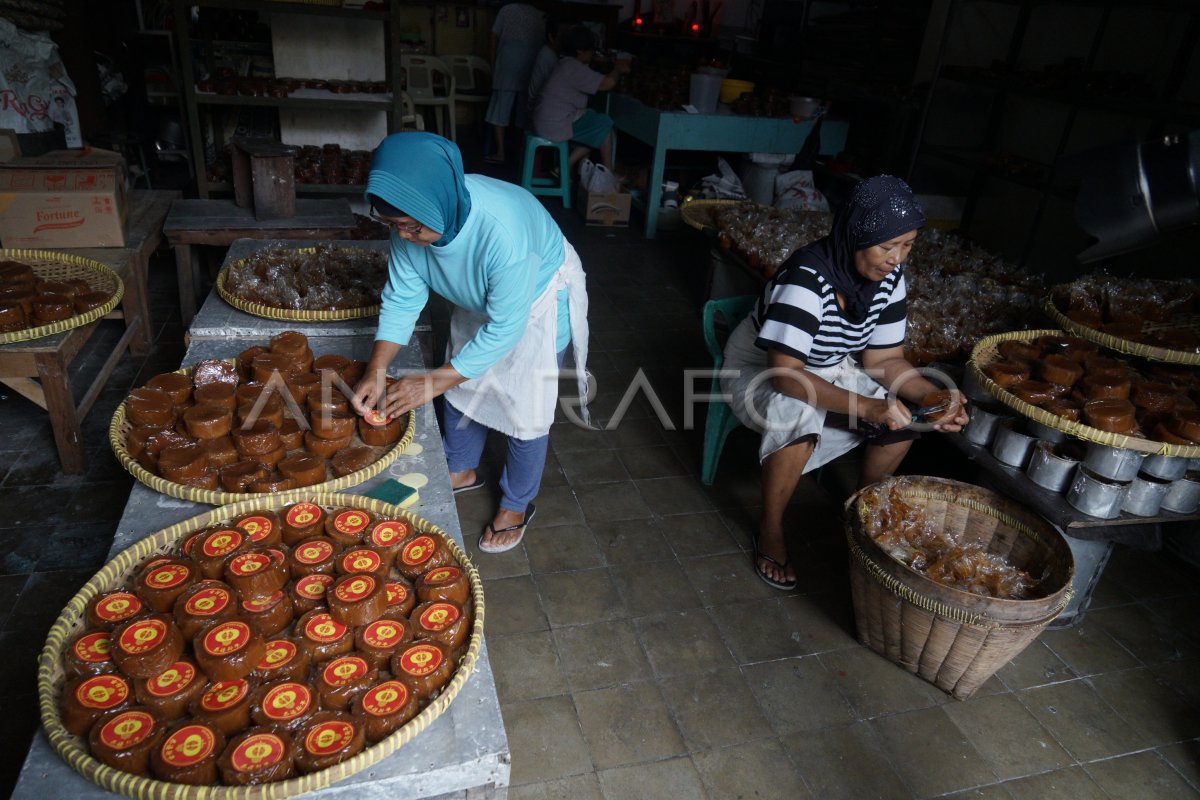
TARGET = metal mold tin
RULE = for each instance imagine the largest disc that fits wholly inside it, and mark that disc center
(1050, 468)
(1183, 496)
(1115, 463)
(1012, 445)
(1096, 495)
(1167, 468)
(1145, 495)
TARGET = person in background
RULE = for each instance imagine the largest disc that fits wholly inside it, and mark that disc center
(519, 297)
(544, 64)
(517, 35)
(818, 366)
(561, 113)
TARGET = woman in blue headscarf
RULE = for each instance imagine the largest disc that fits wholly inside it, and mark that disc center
(818, 366)
(517, 286)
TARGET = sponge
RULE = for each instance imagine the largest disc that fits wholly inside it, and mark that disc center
(394, 492)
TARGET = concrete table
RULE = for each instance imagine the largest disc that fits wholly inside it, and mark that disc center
(719, 133)
(221, 222)
(464, 753)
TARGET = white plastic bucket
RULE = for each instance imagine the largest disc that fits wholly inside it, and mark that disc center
(704, 92)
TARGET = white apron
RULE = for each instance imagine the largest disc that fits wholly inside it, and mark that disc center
(518, 395)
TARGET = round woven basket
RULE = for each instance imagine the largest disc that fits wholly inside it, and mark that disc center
(698, 213)
(117, 572)
(52, 266)
(119, 428)
(985, 353)
(1147, 351)
(292, 314)
(954, 639)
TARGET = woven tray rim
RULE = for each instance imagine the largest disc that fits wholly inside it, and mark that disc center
(1149, 352)
(85, 265)
(1077, 429)
(215, 497)
(292, 314)
(50, 663)
(945, 489)
(688, 211)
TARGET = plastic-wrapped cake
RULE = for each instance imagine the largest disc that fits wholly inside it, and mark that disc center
(323, 278)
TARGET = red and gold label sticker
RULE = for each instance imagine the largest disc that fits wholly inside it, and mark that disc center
(258, 606)
(207, 601)
(118, 606)
(256, 527)
(250, 563)
(361, 561)
(442, 575)
(174, 678)
(439, 616)
(314, 586)
(421, 660)
(355, 589)
(351, 522)
(388, 532)
(277, 554)
(222, 542)
(224, 694)
(93, 648)
(152, 564)
(102, 692)
(286, 701)
(344, 670)
(188, 746)
(279, 652)
(167, 576)
(226, 638)
(142, 635)
(397, 593)
(190, 542)
(257, 751)
(329, 737)
(375, 418)
(383, 633)
(418, 551)
(313, 552)
(386, 698)
(127, 729)
(303, 514)
(324, 629)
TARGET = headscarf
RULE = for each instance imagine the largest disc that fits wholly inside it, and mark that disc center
(421, 174)
(879, 209)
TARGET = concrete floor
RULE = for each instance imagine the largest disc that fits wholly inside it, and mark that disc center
(636, 654)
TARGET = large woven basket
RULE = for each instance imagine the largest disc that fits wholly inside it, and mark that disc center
(292, 314)
(1189, 322)
(119, 428)
(954, 639)
(699, 213)
(986, 352)
(52, 266)
(117, 572)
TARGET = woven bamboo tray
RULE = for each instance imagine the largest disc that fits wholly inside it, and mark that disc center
(952, 638)
(53, 266)
(291, 314)
(119, 428)
(985, 353)
(1147, 351)
(117, 573)
(698, 213)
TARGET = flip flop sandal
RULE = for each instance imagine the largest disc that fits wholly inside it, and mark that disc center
(478, 483)
(503, 548)
(767, 579)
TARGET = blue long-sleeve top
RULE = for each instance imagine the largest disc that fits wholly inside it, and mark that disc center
(501, 260)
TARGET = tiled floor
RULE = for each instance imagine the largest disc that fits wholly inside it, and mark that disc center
(635, 652)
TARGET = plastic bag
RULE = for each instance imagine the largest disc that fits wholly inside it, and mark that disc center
(725, 186)
(796, 189)
(596, 178)
(34, 85)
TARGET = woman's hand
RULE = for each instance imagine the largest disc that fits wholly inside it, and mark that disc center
(409, 392)
(369, 390)
(960, 419)
(890, 413)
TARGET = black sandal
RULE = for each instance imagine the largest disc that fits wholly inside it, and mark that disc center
(767, 579)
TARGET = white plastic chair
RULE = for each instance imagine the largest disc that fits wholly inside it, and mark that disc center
(409, 118)
(472, 80)
(422, 85)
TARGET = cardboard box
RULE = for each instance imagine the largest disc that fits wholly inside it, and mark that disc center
(65, 198)
(609, 209)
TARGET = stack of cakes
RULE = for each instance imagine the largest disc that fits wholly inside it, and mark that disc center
(27, 301)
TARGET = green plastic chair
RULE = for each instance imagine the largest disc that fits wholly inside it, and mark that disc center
(732, 310)
(554, 187)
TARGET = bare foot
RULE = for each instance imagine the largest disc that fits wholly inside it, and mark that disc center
(461, 479)
(504, 519)
(773, 559)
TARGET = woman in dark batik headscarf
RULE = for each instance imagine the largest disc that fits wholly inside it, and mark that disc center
(818, 366)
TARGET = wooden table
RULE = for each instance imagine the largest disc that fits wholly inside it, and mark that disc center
(220, 222)
(728, 133)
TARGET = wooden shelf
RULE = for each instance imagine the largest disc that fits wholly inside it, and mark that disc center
(311, 9)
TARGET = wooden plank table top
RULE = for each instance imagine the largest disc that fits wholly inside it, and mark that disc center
(463, 753)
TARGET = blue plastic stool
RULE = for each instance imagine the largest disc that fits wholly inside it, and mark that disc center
(720, 417)
(560, 186)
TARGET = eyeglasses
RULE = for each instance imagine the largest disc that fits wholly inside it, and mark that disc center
(412, 228)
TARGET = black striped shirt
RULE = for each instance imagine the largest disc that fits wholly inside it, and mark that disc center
(798, 314)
